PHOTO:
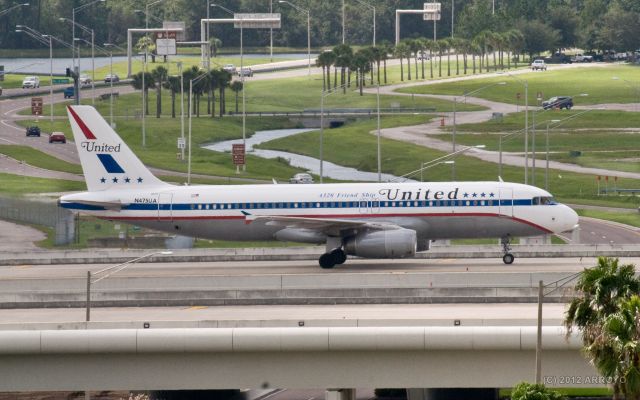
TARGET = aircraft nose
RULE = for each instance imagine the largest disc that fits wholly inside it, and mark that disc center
(569, 219)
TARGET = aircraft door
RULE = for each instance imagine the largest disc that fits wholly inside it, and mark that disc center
(506, 202)
(165, 207)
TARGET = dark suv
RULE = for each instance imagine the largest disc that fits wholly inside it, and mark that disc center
(558, 102)
(33, 131)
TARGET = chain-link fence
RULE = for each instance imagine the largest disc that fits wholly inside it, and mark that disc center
(40, 212)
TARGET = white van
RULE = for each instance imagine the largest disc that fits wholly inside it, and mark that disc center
(31, 82)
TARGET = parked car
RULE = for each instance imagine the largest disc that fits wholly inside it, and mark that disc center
(33, 131)
(111, 78)
(84, 80)
(31, 82)
(538, 65)
(301, 178)
(581, 58)
(57, 137)
(230, 68)
(69, 92)
(558, 102)
(246, 71)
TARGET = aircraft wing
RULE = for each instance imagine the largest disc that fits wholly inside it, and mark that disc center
(330, 226)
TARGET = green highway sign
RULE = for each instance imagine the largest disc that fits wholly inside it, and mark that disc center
(59, 81)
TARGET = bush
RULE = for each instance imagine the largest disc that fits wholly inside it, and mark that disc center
(532, 391)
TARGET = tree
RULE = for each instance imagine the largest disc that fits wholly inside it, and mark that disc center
(538, 37)
(149, 83)
(415, 46)
(622, 334)
(159, 74)
(236, 87)
(564, 19)
(601, 290)
(361, 64)
(343, 53)
(531, 391)
(514, 43)
(173, 84)
(399, 51)
(145, 45)
(224, 79)
(325, 60)
(385, 50)
(215, 44)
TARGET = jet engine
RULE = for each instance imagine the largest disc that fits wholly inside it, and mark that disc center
(397, 243)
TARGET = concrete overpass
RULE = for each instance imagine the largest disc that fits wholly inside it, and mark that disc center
(174, 359)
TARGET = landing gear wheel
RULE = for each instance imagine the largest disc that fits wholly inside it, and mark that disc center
(508, 258)
(327, 261)
(339, 256)
(506, 249)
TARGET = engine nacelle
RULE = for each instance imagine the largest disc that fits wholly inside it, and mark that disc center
(397, 243)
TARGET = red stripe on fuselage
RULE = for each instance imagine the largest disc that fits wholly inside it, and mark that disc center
(85, 129)
(349, 216)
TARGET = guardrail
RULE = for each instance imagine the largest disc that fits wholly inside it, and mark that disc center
(338, 112)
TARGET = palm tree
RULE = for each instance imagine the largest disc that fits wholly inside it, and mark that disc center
(385, 50)
(215, 44)
(236, 87)
(458, 46)
(187, 75)
(515, 42)
(439, 45)
(601, 290)
(146, 45)
(224, 80)
(446, 44)
(344, 53)
(399, 51)
(323, 61)
(431, 46)
(415, 46)
(376, 54)
(622, 337)
(360, 62)
(149, 83)
(213, 80)
(159, 74)
(422, 42)
(173, 84)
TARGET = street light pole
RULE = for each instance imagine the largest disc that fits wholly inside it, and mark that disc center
(110, 271)
(73, 38)
(307, 11)
(191, 82)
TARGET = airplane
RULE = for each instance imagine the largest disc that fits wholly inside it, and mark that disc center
(369, 220)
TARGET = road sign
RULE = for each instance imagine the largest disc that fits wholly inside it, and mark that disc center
(257, 21)
(432, 11)
(36, 106)
(237, 154)
(166, 47)
(60, 81)
(181, 143)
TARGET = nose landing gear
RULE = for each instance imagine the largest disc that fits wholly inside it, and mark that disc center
(506, 248)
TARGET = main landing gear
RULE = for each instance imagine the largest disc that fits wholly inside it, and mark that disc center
(506, 248)
(333, 258)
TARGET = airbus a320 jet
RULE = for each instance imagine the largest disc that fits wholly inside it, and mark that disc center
(370, 220)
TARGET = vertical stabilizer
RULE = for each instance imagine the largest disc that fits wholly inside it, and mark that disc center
(107, 162)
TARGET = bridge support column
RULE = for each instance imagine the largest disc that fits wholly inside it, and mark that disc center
(340, 394)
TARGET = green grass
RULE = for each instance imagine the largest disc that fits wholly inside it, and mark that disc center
(39, 159)
(14, 185)
(631, 218)
(120, 68)
(399, 158)
(597, 119)
(12, 81)
(595, 81)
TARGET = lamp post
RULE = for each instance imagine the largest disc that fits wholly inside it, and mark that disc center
(303, 10)
(48, 41)
(191, 82)
(93, 65)
(526, 125)
(424, 166)
(8, 10)
(244, 102)
(110, 271)
(546, 169)
(438, 160)
(632, 85)
(111, 76)
(373, 8)
(455, 106)
(533, 138)
(73, 36)
(324, 94)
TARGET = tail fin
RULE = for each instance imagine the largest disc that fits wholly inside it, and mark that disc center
(107, 162)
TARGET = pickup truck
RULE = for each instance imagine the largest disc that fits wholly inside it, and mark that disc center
(581, 58)
(538, 65)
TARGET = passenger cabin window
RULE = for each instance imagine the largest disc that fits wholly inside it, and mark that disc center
(543, 201)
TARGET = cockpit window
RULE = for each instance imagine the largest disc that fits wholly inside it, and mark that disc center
(543, 201)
